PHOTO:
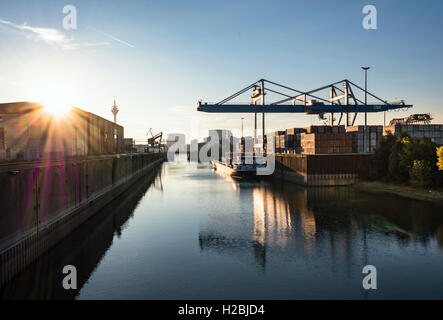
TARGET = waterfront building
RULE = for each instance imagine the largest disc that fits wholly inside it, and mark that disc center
(31, 131)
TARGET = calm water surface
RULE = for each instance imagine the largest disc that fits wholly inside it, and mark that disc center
(191, 233)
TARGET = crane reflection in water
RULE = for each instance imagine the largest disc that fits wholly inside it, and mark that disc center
(292, 222)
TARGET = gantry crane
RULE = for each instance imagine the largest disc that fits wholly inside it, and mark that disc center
(338, 97)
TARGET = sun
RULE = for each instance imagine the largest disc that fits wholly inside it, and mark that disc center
(56, 99)
(57, 108)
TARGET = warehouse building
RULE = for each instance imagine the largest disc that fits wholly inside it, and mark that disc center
(28, 131)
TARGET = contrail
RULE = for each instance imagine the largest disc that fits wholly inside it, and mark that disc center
(114, 38)
(50, 35)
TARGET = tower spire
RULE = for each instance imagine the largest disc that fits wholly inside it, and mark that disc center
(115, 110)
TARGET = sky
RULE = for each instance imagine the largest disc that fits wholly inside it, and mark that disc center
(158, 58)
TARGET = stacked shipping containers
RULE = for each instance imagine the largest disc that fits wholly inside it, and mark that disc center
(325, 129)
(288, 141)
(365, 141)
(278, 147)
(351, 139)
(325, 140)
(293, 139)
(281, 139)
(432, 131)
(326, 143)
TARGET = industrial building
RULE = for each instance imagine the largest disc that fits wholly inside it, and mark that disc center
(28, 132)
(351, 139)
(129, 144)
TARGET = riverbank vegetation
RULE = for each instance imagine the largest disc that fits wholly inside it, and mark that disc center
(440, 158)
(402, 159)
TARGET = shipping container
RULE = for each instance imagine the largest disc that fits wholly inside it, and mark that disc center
(326, 143)
(293, 131)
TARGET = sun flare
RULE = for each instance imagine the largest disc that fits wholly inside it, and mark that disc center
(57, 109)
(56, 99)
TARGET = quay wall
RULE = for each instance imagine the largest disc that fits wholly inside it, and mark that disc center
(43, 201)
(322, 169)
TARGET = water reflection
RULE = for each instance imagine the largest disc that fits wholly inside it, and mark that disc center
(84, 248)
(294, 222)
(256, 240)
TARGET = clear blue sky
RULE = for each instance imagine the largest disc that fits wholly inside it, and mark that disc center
(160, 57)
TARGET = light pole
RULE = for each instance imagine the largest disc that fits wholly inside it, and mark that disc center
(242, 127)
(366, 93)
(366, 133)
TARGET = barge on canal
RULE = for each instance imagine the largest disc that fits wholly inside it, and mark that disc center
(241, 167)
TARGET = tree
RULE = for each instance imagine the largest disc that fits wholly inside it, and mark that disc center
(404, 158)
(421, 173)
(417, 149)
(398, 167)
(440, 158)
(381, 156)
(418, 156)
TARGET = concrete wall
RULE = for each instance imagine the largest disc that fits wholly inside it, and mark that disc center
(322, 170)
(42, 202)
(92, 239)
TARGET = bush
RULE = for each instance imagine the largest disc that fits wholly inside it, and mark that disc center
(402, 158)
(417, 149)
(421, 173)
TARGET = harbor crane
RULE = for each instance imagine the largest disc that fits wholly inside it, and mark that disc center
(156, 140)
(424, 118)
(336, 98)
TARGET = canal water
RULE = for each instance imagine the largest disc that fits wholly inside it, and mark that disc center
(187, 232)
